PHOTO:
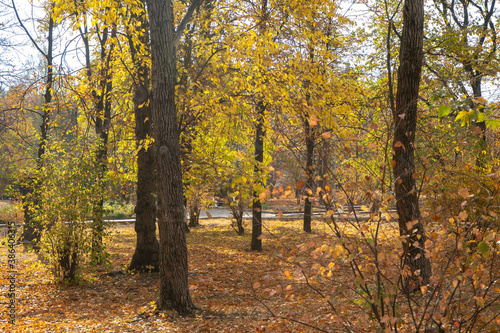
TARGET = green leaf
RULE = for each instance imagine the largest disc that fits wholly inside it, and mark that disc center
(481, 116)
(483, 247)
(444, 111)
(493, 123)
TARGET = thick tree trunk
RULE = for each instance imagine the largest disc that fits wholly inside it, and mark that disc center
(256, 243)
(147, 249)
(405, 120)
(309, 132)
(174, 290)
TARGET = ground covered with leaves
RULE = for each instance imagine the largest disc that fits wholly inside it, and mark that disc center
(236, 290)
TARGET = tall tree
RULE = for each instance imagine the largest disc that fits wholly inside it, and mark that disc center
(102, 121)
(467, 35)
(147, 247)
(256, 243)
(405, 123)
(174, 291)
(32, 228)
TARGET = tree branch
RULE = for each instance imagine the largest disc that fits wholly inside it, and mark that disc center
(180, 29)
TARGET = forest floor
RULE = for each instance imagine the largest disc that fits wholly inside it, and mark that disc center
(236, 290)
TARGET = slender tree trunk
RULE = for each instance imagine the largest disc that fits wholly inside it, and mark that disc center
(309, 132)
(405, 119)
(31, 190)
(237, 209)
(256, 243)
(239, 219)
(194, 213)
(174, 291)
(476, 80)
(147, 249)
(102, 125)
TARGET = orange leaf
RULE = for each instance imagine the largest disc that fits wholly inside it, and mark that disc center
(399, 144)
(313, 121)
(477, 130)
(256, 285)
(326, 135)
(464, 192)
(300, 184)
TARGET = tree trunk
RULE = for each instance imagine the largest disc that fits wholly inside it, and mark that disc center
(194, 213)
(476, 80)
(174, 290)
(31, 191)
(256, 243)
(102, 125)
(405, 120)
(239, 219)
(309, 132)
(147, 250)
(237, 209)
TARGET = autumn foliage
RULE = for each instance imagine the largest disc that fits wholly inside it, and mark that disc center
(354, 150)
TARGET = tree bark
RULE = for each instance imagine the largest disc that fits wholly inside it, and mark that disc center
(309, 132)
(147, 249)
(102, 125)
(31, 190)
(256, 243)
(237, 207)
(405, 119)
(174, 291)
(194, 213)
